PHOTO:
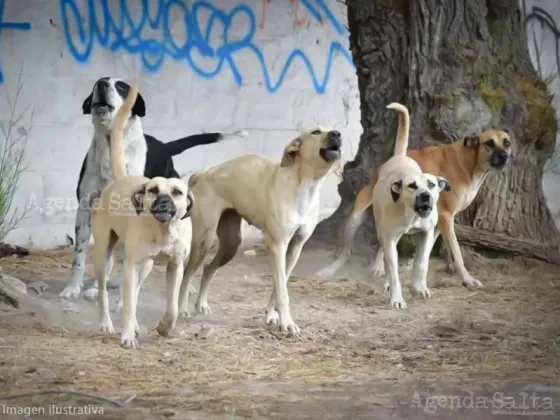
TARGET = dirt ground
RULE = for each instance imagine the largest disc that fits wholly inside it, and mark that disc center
(463, 354)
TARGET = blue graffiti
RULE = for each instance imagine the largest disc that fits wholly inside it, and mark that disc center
(19, 26)
(125, 33)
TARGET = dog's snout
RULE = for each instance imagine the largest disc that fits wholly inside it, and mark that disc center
(103, 84)
(499, 158)
(425, 197)
(335, 138)
(163, 208)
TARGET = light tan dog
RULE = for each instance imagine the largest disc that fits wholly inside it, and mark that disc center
(281, 198)
(404, 202)
(465, 164)
(151, 217)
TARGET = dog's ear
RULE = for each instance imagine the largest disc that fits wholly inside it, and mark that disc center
(506, 130)
(471, 141)
(443, 184)
(290, 153)
(190, 204)
(396, 188)
(139, 107)
(86, 106)
(138, 199)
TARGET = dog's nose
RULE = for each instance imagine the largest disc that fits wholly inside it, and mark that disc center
(499, 158)
(334, 138)
(163, 208)
(425, 197)
(104, 84)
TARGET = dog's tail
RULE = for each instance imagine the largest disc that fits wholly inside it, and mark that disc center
(117, 133)
(179, 146)
(401, 145)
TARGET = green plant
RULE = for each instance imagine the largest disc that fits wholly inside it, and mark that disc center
(12, 161)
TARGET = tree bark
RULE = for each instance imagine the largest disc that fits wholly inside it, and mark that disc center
(460, 66)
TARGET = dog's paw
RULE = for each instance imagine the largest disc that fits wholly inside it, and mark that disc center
(129, 343)
(470, 281)
(165, 326)
(203, 308)
(378, 270)
(422, 291)
(288, 326)
(70, 292)
(106, 327)
(398, 303)
(91, 293)
(272, 317)
(386, 285)
(325, 272)
(184, 315)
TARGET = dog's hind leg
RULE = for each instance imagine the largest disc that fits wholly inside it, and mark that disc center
(422, 240)
(82, 235)
(105, 242)
(292, 256)
(201, 242)
(131, 276)
(230, 237)
(378, 267)
(355, 220)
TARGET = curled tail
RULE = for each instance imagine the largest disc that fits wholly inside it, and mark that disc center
(117, 134)
(401, 145)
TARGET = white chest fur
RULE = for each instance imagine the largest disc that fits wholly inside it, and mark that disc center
(471, 193)
(307, 202)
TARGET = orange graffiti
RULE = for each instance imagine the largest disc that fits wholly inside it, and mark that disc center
(298, 20)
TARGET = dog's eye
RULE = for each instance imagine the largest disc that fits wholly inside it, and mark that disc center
(413, 186)
(316, 132)
(507, 143)
(490, 143)
(154, 190)
(176, 192)
(431, 185)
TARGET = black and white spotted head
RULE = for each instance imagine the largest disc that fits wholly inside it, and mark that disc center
(107, 96)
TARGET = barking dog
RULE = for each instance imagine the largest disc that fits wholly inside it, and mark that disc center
(404, 201)
(279, 198)
(466, 165)
(151, 217)
(143, 154)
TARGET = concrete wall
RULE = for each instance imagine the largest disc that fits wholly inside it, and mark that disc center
(284, 65)
(542, 23)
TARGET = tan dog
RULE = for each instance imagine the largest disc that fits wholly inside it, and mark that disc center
(404, 201)
(465, 164)
(151, 217)
(281, 198)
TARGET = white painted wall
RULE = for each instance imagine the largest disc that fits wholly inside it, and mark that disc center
(183, 97)
(542, 19)
(180, 101)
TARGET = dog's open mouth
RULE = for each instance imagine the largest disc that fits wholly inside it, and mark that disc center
(103, 106)
(424, 210)
(330, 153)
(162, 216)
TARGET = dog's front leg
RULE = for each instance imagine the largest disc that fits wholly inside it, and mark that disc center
(391, 258)
(447, 227)
(278, 262)
(128, 335)
(421, 263)
(174, 276)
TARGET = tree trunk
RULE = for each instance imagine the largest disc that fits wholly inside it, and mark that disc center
(460, 66)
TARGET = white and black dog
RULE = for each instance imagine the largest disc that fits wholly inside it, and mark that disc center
(144, 155)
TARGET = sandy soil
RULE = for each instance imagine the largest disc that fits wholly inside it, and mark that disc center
(357, 358)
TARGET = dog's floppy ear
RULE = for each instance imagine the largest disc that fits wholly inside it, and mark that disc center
(138, 199)
(396, 188)
(190, 204)
(86, 106)
(471, 141)
(139, 107)
(290, 153)
(443, 184)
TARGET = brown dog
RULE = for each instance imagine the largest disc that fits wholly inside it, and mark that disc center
(465, 164)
